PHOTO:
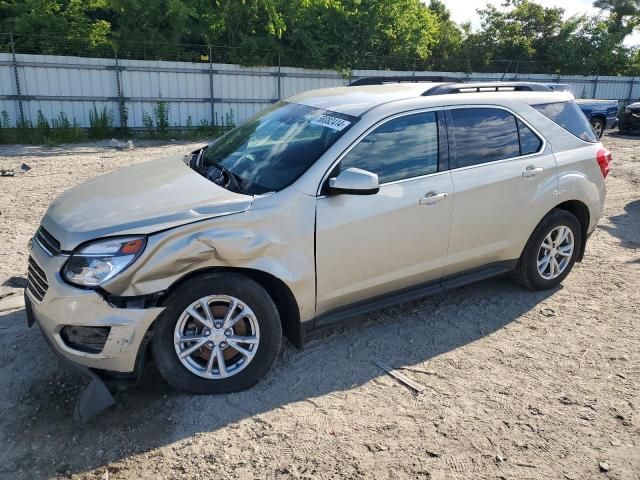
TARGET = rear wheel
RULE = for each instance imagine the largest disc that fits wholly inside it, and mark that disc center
(550, 252)
(220, 333)
(598, 126)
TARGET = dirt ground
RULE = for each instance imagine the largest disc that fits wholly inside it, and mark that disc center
(520, 385)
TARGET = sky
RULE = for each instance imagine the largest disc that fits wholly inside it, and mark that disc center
(465, 11)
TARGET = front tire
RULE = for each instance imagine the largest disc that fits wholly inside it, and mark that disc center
(220, 333)
(550, 252)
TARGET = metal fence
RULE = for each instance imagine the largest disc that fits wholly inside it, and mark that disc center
(204, 91)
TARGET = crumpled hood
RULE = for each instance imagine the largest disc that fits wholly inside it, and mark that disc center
(140, 199)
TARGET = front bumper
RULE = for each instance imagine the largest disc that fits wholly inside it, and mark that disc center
(63, 305)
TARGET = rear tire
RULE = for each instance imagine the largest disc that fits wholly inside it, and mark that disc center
(227, 297)
(533, 270)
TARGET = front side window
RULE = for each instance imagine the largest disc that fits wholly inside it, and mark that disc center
(484, 135)
(274, 148)
(402, 148)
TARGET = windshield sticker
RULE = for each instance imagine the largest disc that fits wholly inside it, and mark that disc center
(334, 123)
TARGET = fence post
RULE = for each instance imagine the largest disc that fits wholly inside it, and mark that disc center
(413, 74)
(632, 83)
(595, 86)
(213, 114)
(17, 79)
(121, 106)
(279, 77)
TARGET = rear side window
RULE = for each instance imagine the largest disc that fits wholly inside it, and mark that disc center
(569, 116)
(401, 148)
(529, 141)
(484, 135)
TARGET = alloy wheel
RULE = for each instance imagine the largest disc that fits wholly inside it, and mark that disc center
(216, 336)
(555, 252)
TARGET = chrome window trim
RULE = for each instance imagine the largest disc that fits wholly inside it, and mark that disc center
(540, 151)
(367, 132)
(442, 108)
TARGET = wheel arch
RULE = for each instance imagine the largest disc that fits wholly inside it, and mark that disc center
(581, 211)
(278, 290)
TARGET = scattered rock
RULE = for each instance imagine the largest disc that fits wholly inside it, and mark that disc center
(604, 466)
(118, 145)
(7, 173)
(548, 312)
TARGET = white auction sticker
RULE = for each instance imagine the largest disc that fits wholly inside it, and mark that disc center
(333, 123)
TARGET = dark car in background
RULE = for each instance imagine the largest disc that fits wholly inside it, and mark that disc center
(630, 119)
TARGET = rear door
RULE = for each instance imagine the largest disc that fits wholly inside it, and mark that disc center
(504, 182)
(369, 245)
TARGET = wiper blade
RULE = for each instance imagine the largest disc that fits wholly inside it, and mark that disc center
(231, 182)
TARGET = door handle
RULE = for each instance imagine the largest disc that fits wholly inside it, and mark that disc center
(432, 197)
(531, 171)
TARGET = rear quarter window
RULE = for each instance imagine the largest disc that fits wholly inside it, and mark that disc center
(569, 116)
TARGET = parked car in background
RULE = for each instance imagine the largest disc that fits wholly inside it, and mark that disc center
(324, 206)
(630, 119)
(602, 114)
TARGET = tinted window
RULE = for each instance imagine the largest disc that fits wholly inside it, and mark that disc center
(569, 116)
(274, 148)
(402, 148)
(484, 135)
(529, 142)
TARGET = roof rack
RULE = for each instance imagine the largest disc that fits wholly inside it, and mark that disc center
(478, 87)
(403, 79)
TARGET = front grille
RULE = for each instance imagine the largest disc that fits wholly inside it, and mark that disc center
(47, 241)
(36, 280)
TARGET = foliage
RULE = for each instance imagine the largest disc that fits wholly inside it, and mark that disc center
(161, 115)
(100, 123)
(147, 121)
(229, 119)
(338, 34)
(59, 130)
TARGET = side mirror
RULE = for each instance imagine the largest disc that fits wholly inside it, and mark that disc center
(354, 181)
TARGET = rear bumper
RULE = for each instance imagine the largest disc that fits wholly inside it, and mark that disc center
(63, 305)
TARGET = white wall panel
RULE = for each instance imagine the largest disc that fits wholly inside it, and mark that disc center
(73, 85)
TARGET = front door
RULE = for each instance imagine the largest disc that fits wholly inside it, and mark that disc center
(369, 245)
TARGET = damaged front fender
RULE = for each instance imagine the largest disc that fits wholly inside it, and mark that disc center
(276, 236)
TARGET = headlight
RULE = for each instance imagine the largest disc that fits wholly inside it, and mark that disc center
(99, 261)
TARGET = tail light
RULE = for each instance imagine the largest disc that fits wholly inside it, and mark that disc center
(604, 159)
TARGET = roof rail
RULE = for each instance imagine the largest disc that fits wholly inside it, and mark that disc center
(478, 87)
(403, 79)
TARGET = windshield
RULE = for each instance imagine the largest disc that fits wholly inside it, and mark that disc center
(270, 151)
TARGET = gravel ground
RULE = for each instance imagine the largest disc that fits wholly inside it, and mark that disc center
(520, 384)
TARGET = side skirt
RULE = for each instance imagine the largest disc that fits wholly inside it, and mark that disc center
(413, 293)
